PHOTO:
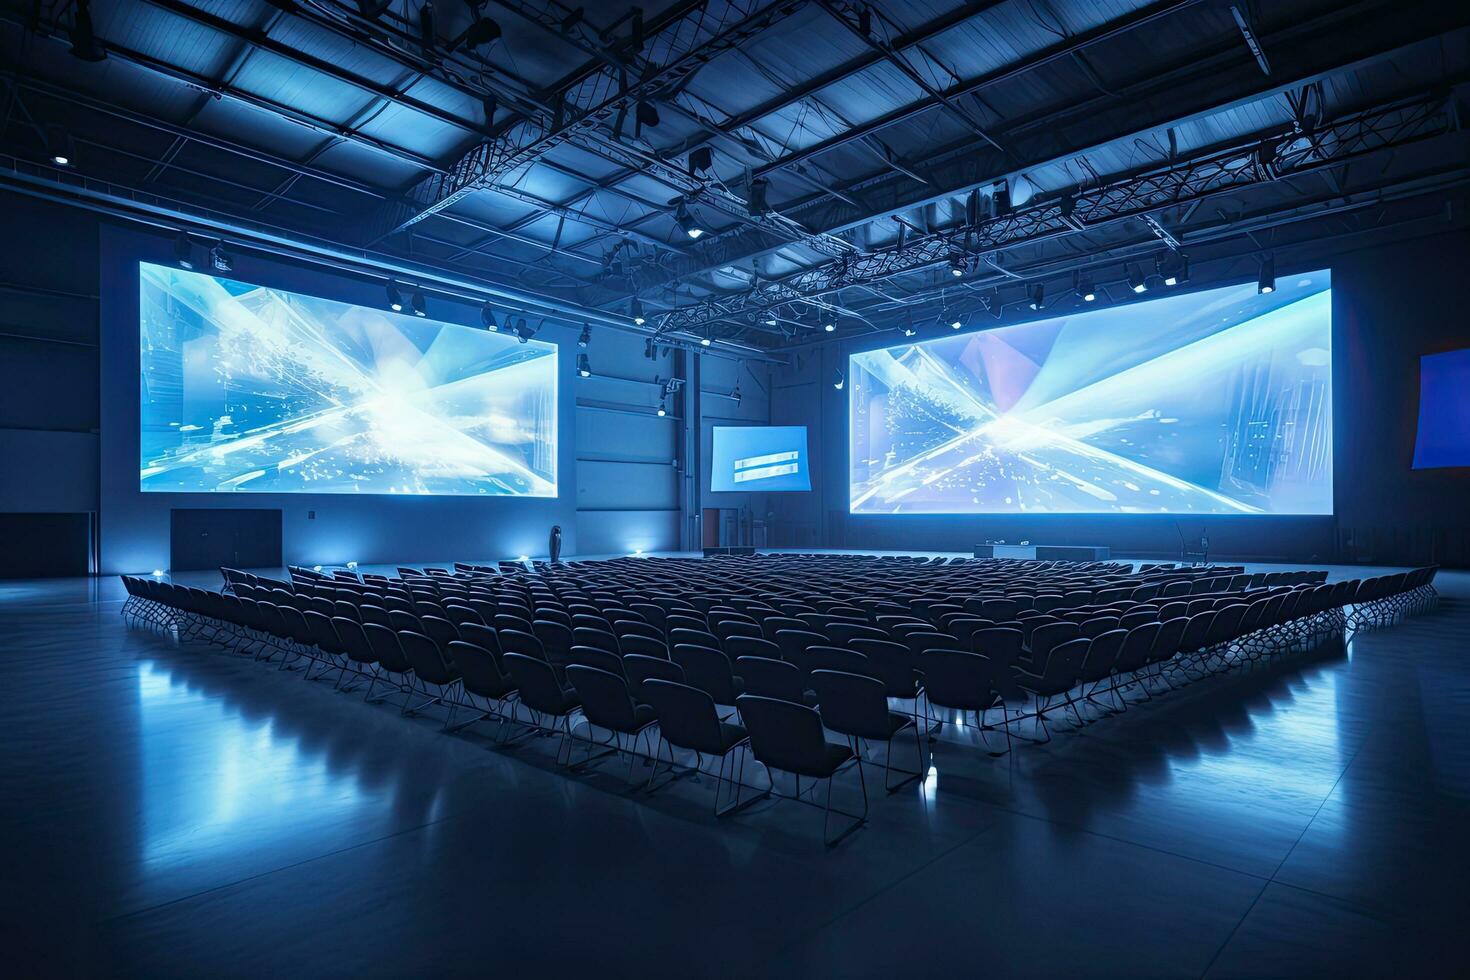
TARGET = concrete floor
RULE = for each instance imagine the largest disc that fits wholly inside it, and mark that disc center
(173, 810)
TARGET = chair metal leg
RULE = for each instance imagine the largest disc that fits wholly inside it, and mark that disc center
(858, 820)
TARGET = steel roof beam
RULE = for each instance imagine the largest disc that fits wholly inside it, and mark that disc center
(1242, 166)
(1341, 41)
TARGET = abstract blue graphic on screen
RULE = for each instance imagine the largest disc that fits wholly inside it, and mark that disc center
(250, 389)
(759, 458)
(1214, 402)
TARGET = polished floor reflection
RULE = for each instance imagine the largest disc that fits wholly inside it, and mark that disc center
(172, 810)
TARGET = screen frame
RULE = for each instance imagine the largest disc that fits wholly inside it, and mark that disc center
(553, 351)
(850, 349)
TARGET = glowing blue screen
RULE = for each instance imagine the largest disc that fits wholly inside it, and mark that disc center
(246, 388)
(1444, 411)
(760, 458)
(1213, 402)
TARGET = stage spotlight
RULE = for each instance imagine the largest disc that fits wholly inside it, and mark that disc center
(909, 331)
(487, 317)
(771, 321)
(1266, 281)
(841, 380)
(60, 148)
(647, 115)
(220, 260)
(158, 573)
(1083, 285)
(524, 331)
(1173, 268)
(663, 405)
(685, 220)
(706, 337)
(184, 251)
(1136, 280)
(584, 366)
(586, 336)
(957, 266)
(84, 43)
(420, 305)
(650, 349)
(636, 312)
(395, 298)
(955, 323)
(1037, 295)
(735, 394)
(829, 327)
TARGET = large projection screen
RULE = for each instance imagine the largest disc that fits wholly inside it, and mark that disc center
(244, 388)
(1213, 402)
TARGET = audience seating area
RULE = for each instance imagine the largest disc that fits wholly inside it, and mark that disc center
(807, 664)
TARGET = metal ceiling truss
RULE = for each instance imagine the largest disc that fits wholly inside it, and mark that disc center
(601, 102)
(1264, 160)
(1344, 39)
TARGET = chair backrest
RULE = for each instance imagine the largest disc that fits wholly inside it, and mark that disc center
(687, 620)
(770, 625)
(1102, 654)
(770, 678)
(703, 638)
(428, 660)
(481, 636)
(1064, 665)
(354, 640)
(851, 704)
(386, 648)
(837, 658)
(1097, 625)
(687, 717)
(640, 669)
(478, 670)
(556, 639)
(842, 633)
(727, 629)
(1002, 644)
(1166, 644)
(606, 702)
(323, 634)
(644, 646)
(625, 628)
(1137, 647)
(518, 641)
(751, 646)
(537, 684)
(596, 657)
(786, 736)
(1046, 638)
(1196, 631)
(959, 679)
(707, 669)
(440, 630)
(795, 643)
(892, 664)
(583, 636)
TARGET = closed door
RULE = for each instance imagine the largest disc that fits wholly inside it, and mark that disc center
(208, 538)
